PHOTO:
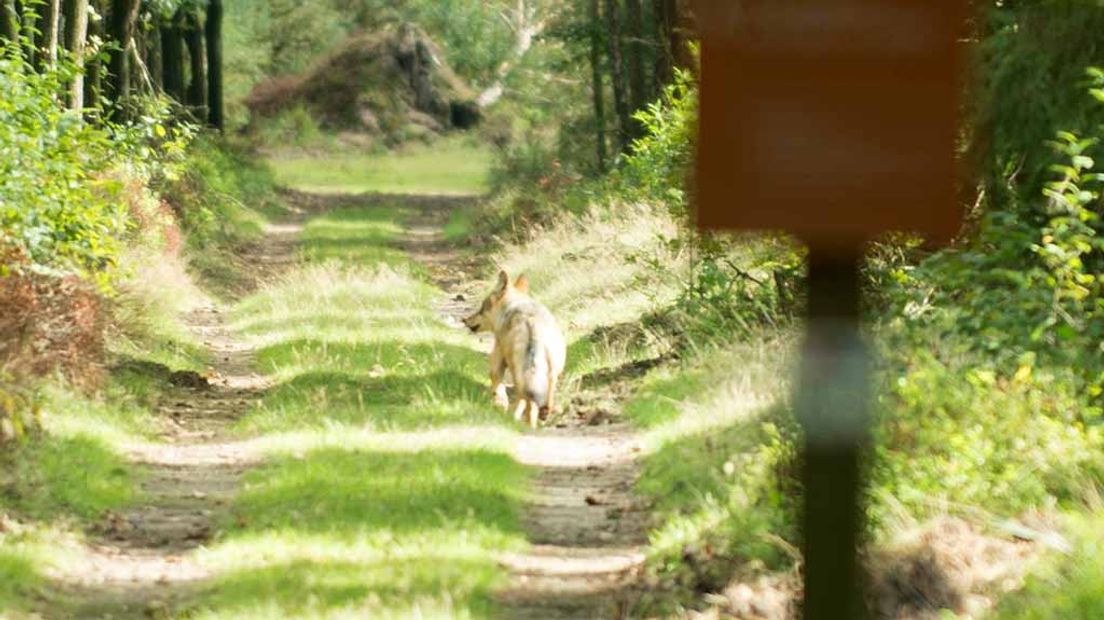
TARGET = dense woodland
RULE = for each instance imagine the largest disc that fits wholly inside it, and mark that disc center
(149, 149)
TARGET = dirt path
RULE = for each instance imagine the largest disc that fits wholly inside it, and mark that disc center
(139, 562)
(586, 529)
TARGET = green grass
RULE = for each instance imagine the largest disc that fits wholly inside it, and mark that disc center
(27, 552)
(1067, 586)
(459, 226)
(454, 166)
(376, 533)
(75, 468)
(363, 237)
(149, 340)
(53, 484)
(75, 476)
(718, 438)
(580, 269)
(19, 575)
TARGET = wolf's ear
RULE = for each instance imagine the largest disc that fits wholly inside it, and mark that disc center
(522, 283)
(503, 281)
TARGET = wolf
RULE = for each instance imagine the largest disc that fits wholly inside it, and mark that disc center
(527, 342)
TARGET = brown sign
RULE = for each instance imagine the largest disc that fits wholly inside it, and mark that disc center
(833, 119)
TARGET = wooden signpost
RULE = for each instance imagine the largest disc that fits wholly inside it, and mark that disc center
(835, 120)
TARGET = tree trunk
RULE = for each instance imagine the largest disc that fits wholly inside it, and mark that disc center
(636, 51)
(120, 29)
(172, 59)
(76, 32)
(617, 73)
(598, 86)
(666, 15)
(214, 64)
(197, 86)
(51, 22)
(93, 70)
(9, 21)
(679, 25)
(151, 48)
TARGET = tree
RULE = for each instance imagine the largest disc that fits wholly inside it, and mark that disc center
(172, 57)
(9, 21)
(637, 49)
(193, 40)
(93, 66)
(672, 50)
(122, 18)
(51, 22)
(151, 52)
(617, 73)
(213, 29)
(598, 87)
(76, 33)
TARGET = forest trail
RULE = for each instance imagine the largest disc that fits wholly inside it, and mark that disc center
(585, 532)
(138, 563)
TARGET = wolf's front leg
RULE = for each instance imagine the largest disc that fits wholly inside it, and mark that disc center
(520, 408)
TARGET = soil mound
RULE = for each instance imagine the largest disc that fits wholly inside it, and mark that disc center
(395, 84)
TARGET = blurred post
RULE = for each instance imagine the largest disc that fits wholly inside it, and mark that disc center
(831, 405)
(836, 121)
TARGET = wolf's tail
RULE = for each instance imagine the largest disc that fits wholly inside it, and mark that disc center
(536, 376)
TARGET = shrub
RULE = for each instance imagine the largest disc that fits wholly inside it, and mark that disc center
(55, 212)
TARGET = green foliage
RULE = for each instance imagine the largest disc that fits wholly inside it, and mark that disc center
(956, 433)
(218, 192)
(475, 37)
(737, 285)
(62, 208)
(54, 208)
(991, 362)
(1031, 57)
(294, 127)
(1024, 288)
(659, 165)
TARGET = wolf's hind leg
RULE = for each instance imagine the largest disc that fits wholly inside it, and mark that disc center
(534, 414)
(550, 404)
(498, 371)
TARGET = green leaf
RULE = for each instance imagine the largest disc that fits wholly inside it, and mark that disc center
(1083, 162)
